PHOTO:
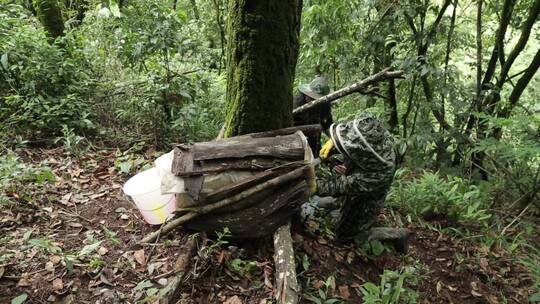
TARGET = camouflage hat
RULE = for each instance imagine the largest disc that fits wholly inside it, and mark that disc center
(366, 142)
(317, 88)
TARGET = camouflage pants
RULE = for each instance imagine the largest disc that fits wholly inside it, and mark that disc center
(358, 214)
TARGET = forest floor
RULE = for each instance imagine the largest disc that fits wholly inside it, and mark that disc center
(69, 241)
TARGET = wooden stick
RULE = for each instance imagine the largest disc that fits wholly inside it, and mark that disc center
(287, 288)
(195, 212)
(174, 287)
(359, 86)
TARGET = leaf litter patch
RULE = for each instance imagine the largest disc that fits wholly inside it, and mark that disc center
(70, 241)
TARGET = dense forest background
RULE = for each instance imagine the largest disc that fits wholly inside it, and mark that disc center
(129, 76)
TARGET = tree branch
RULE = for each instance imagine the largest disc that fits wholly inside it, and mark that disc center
(359, 86)
(520, 45)
(521, 85)
(498, 50)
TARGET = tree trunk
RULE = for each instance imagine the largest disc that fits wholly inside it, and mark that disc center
(50, 15)
(262, 53)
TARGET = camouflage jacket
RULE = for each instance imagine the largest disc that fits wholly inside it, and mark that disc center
(370, 167)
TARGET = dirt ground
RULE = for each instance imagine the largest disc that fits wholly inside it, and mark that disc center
(70, 242)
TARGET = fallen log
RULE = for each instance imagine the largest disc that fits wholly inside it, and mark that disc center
(174, 287)
(386, 73)
(194, 212)
(287, 288)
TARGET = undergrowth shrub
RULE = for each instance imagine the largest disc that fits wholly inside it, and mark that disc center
(18, 179)
(430, 195)
(155, 86)
(42, 85)
(514, 160)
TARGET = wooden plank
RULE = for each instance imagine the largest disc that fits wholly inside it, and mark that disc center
(248, 163)
(182, 159)
(183, 162)
(237, 187)
(285, 147)
(306, 129)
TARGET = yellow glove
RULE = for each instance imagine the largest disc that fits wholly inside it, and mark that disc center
(326, 149)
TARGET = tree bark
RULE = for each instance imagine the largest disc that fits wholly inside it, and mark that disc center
(50, 16)
(261, 57)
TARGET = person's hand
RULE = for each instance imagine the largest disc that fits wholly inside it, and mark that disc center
(341, 169)
(326, 149)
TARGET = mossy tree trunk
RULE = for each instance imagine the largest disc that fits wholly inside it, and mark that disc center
(50, 15)
(262, 51)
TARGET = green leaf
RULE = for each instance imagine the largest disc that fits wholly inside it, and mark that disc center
(19, 299)
(125, 167)
(143, 285)
(322, 294)
(115, 10)
(535, 297)
(4, 61)
(377, 248)
(305, 262)
(151, 291)
(27, 234)
(89, 249)
(69, 263)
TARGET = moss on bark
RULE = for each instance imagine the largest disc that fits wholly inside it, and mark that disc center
(50, 15)
(262, 51)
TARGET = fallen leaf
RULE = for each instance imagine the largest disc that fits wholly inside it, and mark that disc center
(49, 266)
(475, 290)
(350, 257)
(102, 251)
(55, 259)
(120, 210)
(75, 225)
(439, 287)
(98, 195)
(162, 282)
(139, 256)
(476, 293)
(344, 292)
(23, 282)
(492, 299)
(57, 284)
(233, 300)
(484, 263)
(65, 199)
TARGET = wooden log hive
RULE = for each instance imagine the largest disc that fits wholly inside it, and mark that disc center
(264, 173)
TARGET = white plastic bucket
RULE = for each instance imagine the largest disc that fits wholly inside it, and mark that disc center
(144, 189)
